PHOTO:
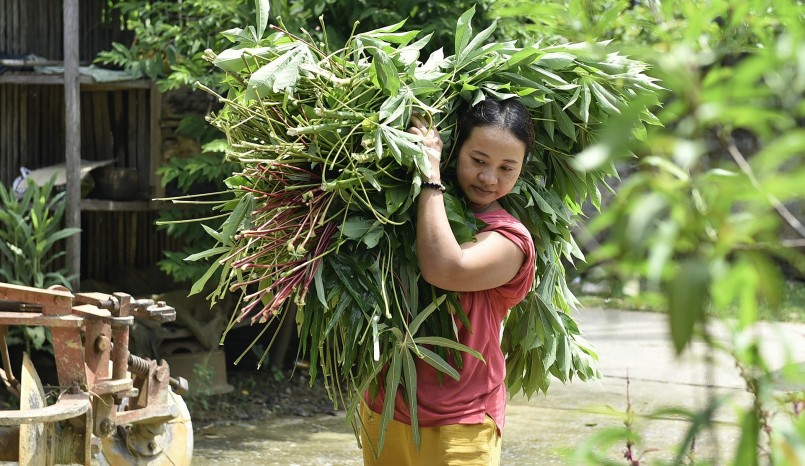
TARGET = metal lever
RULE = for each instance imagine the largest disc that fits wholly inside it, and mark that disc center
(143, 308)
(159, 312)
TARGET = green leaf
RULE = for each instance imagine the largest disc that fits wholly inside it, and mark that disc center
(392, 382)
(198, 286)
(372, 237)
(471, 51)
(262, 9)
(395, 37)
(413, 327)
(235, 220)
(548, 121)
(550, 77)
(393, 108)
(447, 343)
(544, 206)
(60, 235)
(279, 75)
(344, 302)
(437, 362)
(464, 29)
(608, 102)
(369, 176)
(356, 227)
(214, 233)
(462, 221)
(565, 124)
(233, 60)
(747, 451)
(383, 30)
(216, 145)
(346, 275)
(555, 60)
(387, 74)
(233, 35)
(592, 158)
(409, 54)
(586, 99)
(409, 373)
(525, 56)
(687, 297)
(318, 283)
(403, 144)
(396, 197)
(208, 253)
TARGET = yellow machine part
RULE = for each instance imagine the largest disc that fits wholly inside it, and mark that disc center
(170, 443)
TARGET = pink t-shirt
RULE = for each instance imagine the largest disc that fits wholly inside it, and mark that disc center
(481, 390)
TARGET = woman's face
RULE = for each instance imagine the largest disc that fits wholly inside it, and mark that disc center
(489, 163)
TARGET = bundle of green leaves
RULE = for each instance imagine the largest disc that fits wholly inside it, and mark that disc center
(322, 213)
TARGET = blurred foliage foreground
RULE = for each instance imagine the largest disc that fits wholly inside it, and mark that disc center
(709, 215)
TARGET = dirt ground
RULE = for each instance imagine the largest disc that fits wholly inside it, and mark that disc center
(261, 394)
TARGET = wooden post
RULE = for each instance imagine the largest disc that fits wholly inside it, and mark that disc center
(72, 133)
(155, 146)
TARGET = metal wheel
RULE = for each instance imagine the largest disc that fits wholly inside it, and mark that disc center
(36, 439)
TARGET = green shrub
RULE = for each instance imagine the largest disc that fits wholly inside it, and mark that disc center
(32, 228)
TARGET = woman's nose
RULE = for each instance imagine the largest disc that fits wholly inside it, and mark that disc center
(487, 177)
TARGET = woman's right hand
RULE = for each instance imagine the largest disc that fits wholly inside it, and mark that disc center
(432, 143)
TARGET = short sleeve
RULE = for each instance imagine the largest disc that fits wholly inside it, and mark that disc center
(515, 290)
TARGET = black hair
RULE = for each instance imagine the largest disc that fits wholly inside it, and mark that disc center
(507, 114)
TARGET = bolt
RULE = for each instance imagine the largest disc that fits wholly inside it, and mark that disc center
(152, 445)
(161, 374)
(160, 303)
(102, 343)
(107, 427)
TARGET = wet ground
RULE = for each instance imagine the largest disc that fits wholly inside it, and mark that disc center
(634, 350)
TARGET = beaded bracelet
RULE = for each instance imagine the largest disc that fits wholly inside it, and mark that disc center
(439, 186)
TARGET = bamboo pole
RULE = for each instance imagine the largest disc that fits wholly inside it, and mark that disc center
(72, 136)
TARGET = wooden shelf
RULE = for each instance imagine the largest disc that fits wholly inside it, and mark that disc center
(104, 205)
(21, 77)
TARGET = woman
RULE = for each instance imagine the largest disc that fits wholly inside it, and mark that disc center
(461, 421)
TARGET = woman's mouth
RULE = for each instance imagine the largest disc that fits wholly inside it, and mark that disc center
(482, 191)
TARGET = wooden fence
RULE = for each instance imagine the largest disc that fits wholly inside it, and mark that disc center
(36, 26)
(115, 125)
(119, 122)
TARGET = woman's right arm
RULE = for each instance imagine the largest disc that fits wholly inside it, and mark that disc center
(490, 261)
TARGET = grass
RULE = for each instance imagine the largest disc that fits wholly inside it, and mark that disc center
(791, 309)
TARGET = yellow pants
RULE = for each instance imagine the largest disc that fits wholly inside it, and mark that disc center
(456, 444)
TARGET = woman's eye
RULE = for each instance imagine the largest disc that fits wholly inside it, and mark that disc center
(507, 169)
(479, 161)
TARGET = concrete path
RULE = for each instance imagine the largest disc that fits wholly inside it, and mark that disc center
(635, 349)
(632, 346)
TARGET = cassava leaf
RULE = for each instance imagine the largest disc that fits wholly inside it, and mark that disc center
(386, 72)
(448, 343)
(464, 29)
(436, 361)
(262, 8)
